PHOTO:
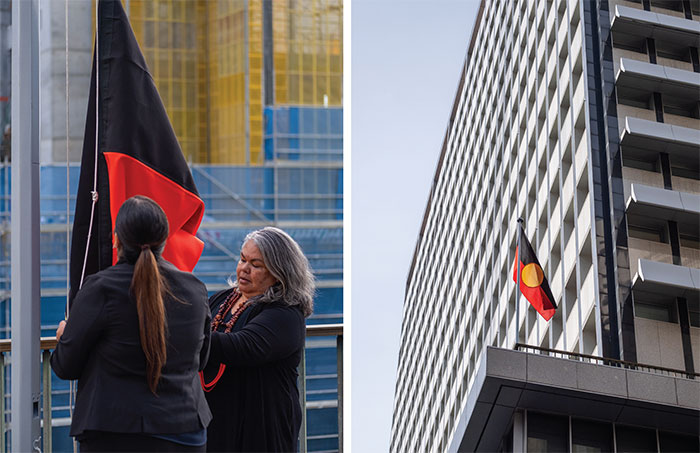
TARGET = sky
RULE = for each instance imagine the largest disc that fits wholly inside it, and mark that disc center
(406, 60)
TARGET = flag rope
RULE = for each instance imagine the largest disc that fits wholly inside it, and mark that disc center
(97, 139)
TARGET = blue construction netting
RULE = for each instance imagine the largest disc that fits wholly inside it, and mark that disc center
(303, 133)
(308, 196)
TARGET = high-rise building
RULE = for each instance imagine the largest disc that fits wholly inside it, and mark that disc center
(253, 89)
(582, 118)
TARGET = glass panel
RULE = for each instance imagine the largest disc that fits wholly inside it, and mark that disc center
(547, 433)
(591, 437)
(671, 442)
(631, 439)
(652, 311)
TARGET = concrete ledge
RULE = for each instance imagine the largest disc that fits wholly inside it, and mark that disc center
(602, 380)
(651, 77)
(650, 387)
(649, 24)
(667, 279)
(647, 201)
(509, 380)
(660, 137)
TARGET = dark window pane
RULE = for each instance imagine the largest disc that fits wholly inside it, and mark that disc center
(547, 433)
(507, 442)
(671, 442)
(631, 439)
(591, 437)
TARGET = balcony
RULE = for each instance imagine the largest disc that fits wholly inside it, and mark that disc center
(627, 18)
(647, 137)
(644, 57)
(666, 280)
(648, 250)
(47, 409)
(657, 203)
(645, 76)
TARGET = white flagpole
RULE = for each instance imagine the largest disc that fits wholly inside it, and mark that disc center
(517, 289)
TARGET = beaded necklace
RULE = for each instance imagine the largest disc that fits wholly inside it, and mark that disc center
(224, 308)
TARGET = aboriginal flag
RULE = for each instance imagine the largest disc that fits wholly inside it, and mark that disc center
(137, 154)
(533, 283)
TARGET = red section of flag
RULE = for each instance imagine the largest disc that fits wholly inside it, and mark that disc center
(540, 296)
(129, 177)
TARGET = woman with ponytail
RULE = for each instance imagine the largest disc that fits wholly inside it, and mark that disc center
(138, 334)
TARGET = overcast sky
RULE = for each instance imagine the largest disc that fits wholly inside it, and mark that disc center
(405, 66)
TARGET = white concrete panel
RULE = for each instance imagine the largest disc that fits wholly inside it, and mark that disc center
(648, 344)
(670, 342)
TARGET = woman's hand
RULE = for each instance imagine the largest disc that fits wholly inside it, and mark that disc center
(59, 331)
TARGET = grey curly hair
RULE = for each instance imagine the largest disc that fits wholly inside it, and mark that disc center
(288, 264)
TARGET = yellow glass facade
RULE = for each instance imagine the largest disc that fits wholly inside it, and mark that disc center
(308, 52)
(171, 37)
(206, 57)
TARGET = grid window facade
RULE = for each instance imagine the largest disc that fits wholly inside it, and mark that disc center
(582, 119)
(516, 146)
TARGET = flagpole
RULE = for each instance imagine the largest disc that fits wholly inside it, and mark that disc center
(24, 225)
(517, 288)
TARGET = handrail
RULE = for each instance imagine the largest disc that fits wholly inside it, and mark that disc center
(46, 343)
(324, 330)
(315, 330)
(607, 361)
(49, 343)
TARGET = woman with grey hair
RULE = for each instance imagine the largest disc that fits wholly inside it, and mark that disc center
(257, 340)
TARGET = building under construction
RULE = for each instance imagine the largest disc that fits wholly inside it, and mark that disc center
(253, 89)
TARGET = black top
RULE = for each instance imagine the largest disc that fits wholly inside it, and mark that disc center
(100, 347)
(256, 402)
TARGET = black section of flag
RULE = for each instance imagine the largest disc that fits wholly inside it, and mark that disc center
(133, 122)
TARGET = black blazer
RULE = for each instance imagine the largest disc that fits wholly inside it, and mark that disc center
(256, 402)
(100, 347)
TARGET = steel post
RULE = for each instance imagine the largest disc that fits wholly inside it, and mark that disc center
(25, 291)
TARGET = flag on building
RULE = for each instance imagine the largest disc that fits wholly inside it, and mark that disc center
(533, 283)
(137, 154)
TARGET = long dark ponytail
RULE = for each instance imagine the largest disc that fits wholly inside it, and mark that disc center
(142, 229)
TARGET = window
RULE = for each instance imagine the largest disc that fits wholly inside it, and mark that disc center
(591, 437)
(632, 439)
(657, 311)
(647, 233)
(686, 172)
(642, 164)
(694, 312)
(671, 442)
(547, 433)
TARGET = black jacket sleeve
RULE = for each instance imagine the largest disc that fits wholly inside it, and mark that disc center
(274, 334)
(81, 333)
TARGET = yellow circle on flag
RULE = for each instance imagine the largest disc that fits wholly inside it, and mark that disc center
(532, 275)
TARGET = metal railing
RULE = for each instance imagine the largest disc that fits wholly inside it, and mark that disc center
(606, 361)
(322, 330)
(49, 343)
